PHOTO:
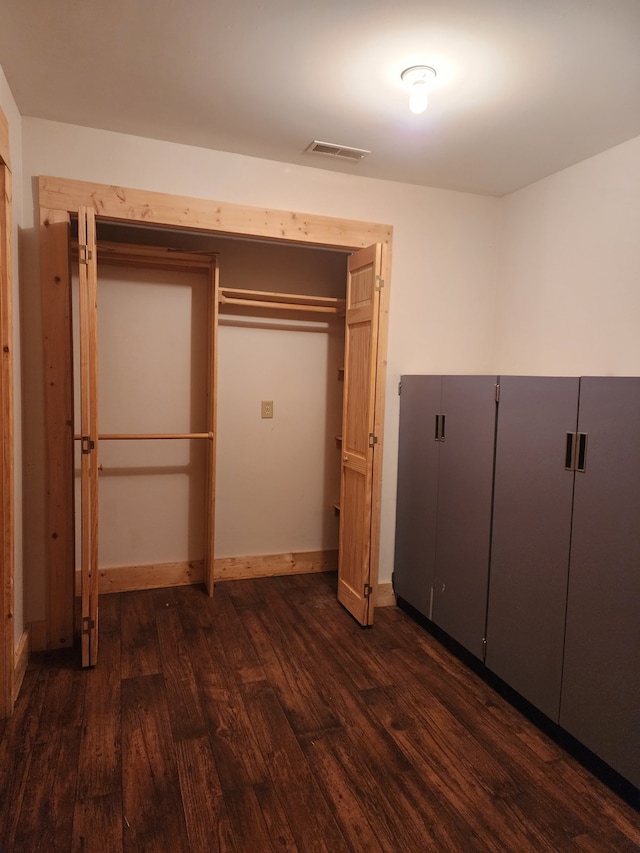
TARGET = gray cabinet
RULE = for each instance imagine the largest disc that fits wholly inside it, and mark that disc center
(600, 703)
(531, 536)
(447, 436)
(417, 501)
(548, 494)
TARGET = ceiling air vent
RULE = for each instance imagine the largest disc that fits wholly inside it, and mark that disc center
(342, 151)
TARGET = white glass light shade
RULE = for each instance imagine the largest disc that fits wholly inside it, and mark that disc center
(419, 77)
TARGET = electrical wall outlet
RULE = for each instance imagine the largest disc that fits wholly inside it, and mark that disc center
(267, 408)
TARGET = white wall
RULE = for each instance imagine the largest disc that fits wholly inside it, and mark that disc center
(568, 295)
(8, 105)
(443, 275)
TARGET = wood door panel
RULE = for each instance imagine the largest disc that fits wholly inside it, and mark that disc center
(88, 323)
(356, 433)
(356, 482)
(354, 553)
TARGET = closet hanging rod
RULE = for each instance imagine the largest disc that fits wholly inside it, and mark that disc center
(144, 436)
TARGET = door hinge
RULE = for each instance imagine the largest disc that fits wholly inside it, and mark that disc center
(379, 282)
(498, 393)
(373, 439)
(88, 624)
(368, 589)
(84, 254)
(87, 444)
(399, 387)
(484, 648)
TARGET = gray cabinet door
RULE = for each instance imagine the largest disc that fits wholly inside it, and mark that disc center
(600, 702)
(465, 486)
(417, 491)
(533, 497)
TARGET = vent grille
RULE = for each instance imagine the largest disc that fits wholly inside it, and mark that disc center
(343, 151)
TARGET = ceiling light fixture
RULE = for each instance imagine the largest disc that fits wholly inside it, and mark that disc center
(419, 77)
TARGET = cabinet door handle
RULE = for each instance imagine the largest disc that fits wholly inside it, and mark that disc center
(582, 452)
(442, 422)
(437, 434)
(569, 456)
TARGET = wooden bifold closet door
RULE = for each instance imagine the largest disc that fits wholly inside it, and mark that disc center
(88, 279)
(359, 441)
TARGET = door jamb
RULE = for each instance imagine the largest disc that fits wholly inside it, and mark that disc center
(7, 443)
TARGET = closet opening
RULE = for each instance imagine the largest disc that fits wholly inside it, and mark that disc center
(272, 335)
(277, 479)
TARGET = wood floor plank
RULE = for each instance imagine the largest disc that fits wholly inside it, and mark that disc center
(274, 813)
(458, 786)
(140, 650)
(98, 824)
(250, 830)
(352, 796)
(228, 630)
(46, 813)
(100, 760)
(187, 719)
(16, 751)
(207, 821)
(152, 803)
(239, 760)
(312, 822)
(288, 666)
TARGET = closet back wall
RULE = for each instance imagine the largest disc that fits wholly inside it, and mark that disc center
(276, 479)
(152, 350)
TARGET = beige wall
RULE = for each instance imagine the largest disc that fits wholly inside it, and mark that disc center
(568, 296)
(443, 275)
(543, 281)
(10, 110)
(276, 478)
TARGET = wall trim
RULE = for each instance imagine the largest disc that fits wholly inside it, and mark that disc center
(385, 596)
(7, 444)
(270, 565)
(38, 636)
(181, 573)
(20, 662)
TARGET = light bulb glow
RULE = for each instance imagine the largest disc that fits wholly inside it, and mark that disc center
(419, 77)
(419, 98)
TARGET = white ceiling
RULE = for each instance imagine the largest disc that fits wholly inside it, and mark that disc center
(524, 87)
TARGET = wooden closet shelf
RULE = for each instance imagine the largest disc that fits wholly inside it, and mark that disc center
(288, 301)
(145, 436)
(150, 257)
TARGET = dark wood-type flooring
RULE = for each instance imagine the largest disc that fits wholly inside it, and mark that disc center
(267, 720)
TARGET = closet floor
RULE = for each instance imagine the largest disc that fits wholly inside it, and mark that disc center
(266, 719)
